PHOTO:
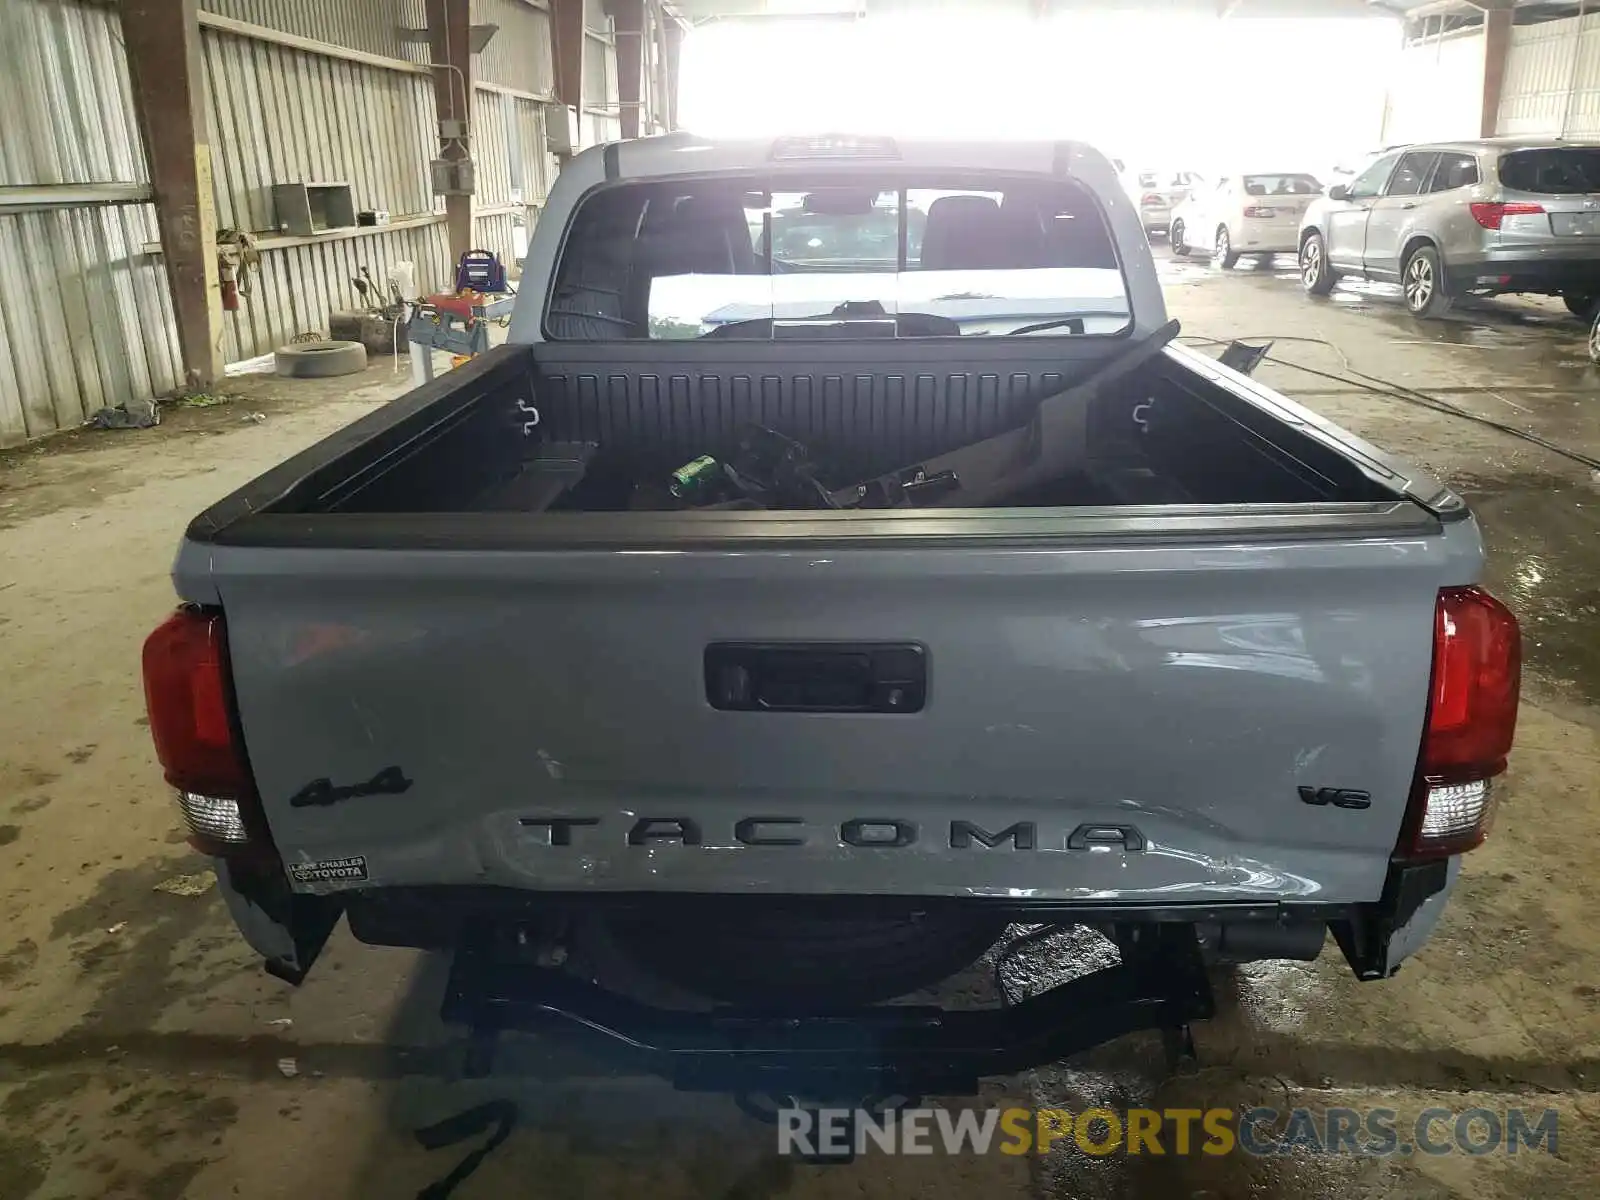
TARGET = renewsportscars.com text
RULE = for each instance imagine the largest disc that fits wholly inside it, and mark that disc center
(1374, 1132)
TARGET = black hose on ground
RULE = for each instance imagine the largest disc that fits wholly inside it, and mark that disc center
(1398, 391)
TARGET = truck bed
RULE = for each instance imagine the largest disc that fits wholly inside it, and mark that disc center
(1116, 692)
(525, 430)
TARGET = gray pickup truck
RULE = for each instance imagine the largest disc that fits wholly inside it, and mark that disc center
(841, 564)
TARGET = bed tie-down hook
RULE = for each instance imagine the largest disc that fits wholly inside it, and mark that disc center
(531, 413)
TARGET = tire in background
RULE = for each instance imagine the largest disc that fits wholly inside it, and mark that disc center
(1582, 305)
(1226, 256)
(320, 360)
(1316, 274)
(1423, 282)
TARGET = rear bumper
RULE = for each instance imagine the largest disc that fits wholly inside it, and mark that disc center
(1526, 270)
(497, 984)
(1376, 937)
(288, 929)
(1267, 241)
(873, 1052)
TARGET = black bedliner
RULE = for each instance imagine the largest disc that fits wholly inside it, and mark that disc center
(467, 459)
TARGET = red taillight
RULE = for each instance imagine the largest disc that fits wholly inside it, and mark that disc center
(1260, 212)
(1491, 216)
(186, 693)
(1152, 199)
(1472, 717)
(189, 699)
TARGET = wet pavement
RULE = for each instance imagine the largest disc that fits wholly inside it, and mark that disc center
(143, 1054)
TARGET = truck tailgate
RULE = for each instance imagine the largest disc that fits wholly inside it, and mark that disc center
(1128, 719)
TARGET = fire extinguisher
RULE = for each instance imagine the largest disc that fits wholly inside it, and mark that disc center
(230, 286)
(237, 256)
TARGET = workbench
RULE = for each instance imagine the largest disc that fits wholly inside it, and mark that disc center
(436, 329)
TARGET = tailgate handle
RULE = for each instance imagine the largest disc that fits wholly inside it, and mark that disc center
(819, 677)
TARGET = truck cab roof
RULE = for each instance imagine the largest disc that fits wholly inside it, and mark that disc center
(685, 153)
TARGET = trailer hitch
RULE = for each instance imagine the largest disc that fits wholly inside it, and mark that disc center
(876, 1051)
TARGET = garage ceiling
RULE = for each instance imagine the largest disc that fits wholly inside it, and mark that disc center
(1527, 10)
(706, 9)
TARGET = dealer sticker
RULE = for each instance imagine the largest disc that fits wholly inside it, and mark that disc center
(330, 870)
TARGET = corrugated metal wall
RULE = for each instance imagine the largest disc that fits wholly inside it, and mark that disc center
(1437, 90)
(538, 164)
(491, 152)
(66, 98)
(508, 142)
(1552, 83)
(278, 115)
(519, 53)
(283, 115)
(370, 25)
(299, 286)
(87, 320)
(602, 120)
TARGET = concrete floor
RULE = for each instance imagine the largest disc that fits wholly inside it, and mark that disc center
(140, 1045)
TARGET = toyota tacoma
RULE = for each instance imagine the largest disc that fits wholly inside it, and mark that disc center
(775, 621)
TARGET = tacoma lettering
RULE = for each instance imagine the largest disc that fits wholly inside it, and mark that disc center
(964, 833)
(867, 833)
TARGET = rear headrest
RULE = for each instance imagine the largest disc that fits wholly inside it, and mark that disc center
(702, 235)
(965, 233)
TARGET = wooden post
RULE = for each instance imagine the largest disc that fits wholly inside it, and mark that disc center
(162, 38)
(628, 16)
(450, 52)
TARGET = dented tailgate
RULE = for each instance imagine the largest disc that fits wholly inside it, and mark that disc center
(1110, 718)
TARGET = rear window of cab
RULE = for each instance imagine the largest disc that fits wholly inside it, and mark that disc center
(802, 255)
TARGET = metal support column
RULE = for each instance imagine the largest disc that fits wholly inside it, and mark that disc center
(1496, 50)
(674, 36)
(1572, 72)
(163, 47)
(628, 16)
(450, 53)
(566, 51)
